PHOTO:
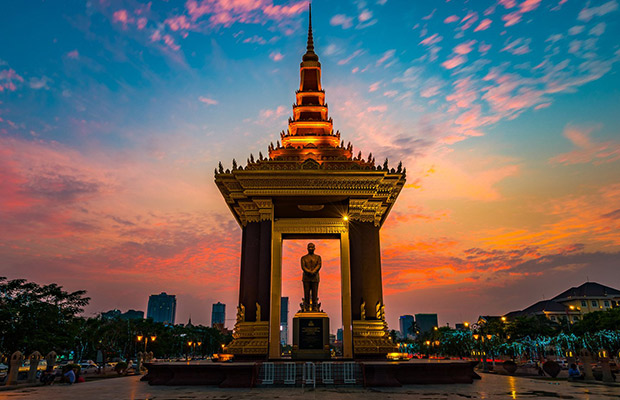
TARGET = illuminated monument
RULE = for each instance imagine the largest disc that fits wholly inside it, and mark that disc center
(311, 186)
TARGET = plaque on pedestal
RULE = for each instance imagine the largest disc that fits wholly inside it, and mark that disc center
(311, 336)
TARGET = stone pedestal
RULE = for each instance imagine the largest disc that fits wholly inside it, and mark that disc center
(311, 336)
(606, 369)
(34, 358)
(15, 363)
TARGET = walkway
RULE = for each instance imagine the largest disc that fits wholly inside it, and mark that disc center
(490, 387)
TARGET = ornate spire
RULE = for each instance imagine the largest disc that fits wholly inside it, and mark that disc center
(310, 54)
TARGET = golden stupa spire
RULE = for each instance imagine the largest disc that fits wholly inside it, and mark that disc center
(310, 54)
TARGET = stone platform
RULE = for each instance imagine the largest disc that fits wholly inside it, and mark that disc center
(370, 374)
(224, 375)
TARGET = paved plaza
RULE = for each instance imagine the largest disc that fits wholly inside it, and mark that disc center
(490, 387)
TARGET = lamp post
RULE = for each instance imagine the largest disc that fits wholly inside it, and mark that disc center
(192, 346)
(140, 338)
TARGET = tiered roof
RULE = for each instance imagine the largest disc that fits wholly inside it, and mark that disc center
(310, 142)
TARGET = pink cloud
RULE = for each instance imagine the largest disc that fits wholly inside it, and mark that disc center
(453, 62)
(529, 5)
(276, 56)
(451, 19)
(518, 46)
(356, 53)
(178, 23)
(435, 38)
(507, 3)
(380, 108)
(341, 20)
(542, 105)
(464, 48)
(208, 101)
(483, 48)
(8, 80)
(512, 18)
(483, 25)
(469, 20)
(122, 16)
(141, 23)
(587, 150)
(225, 12)
(374, 87)
(74, 54)
(464, 94)
(385, 57)
(588, 13)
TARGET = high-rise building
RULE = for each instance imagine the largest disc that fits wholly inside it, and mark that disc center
(162, 308)
(406, 322)
(426, 322)
(284, 321)
(218, 315)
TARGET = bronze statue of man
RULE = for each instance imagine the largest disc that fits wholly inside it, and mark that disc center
(311, 264)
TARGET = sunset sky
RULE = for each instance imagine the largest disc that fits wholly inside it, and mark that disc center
(506, 114)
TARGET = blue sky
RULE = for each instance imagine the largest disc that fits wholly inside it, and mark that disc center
(113, 115)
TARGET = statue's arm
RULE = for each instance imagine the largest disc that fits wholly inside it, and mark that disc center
(318, 265)
(305, 267)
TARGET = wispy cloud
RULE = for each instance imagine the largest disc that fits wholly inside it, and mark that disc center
(587, 150)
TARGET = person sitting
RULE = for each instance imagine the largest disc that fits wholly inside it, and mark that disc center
(70, 376)
(574, 373)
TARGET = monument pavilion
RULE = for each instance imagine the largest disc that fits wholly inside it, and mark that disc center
(310, 186)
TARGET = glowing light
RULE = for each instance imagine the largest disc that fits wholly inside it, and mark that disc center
(139, 337)
(153, 338)
(345, 218)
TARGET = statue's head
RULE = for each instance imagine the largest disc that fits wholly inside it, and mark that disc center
(311, 248)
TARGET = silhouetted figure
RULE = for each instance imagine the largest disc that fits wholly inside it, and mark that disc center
(311, 264)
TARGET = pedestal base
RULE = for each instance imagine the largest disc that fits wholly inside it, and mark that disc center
(371, 340)
(250, 340)
(311, 336)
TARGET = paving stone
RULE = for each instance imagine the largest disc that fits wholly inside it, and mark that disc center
(490, 387)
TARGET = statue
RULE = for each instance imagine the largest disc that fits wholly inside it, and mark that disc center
(311, 264)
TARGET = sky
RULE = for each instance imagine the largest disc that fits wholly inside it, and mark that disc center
(114, 114)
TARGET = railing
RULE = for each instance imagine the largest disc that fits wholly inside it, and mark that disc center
(310, 373)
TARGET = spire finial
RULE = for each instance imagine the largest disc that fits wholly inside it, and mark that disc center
(310, 46)
(310, 55)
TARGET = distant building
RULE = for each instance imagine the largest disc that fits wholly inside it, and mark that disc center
(162, 308)
(485, 319)
(339, 334)
(132, 314)
(426, 322)
(573, 303)
(406, 326)
(218, 315)
(462, 326)
(284, 321)
(117, 314)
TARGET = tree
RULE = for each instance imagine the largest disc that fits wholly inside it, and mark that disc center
(598, 320)
(532, 326)
(35, 317)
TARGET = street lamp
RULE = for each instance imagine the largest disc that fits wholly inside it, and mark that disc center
(146, 340)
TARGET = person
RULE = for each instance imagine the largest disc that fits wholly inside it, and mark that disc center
(70, 376)
(311, 264)
(48, 376)
(574, 373)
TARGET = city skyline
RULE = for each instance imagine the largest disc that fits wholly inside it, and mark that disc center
(113, 117)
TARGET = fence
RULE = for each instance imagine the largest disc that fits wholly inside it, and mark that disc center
(310, 373)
